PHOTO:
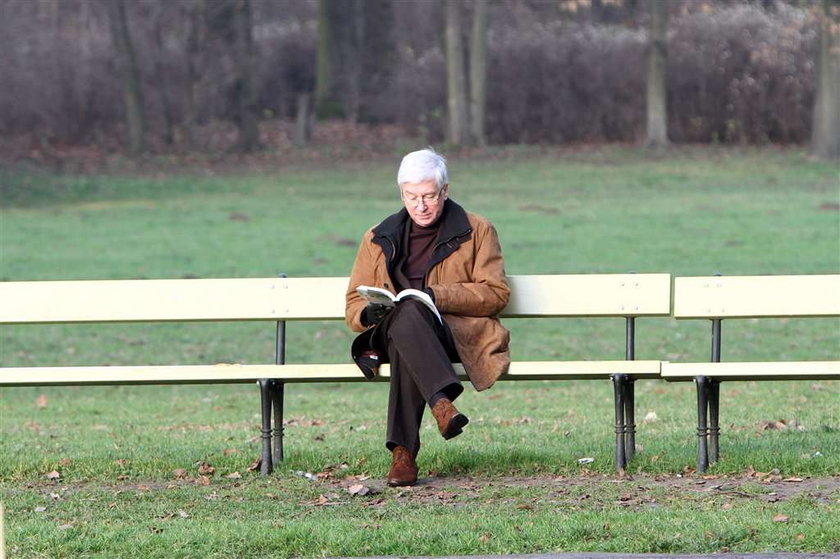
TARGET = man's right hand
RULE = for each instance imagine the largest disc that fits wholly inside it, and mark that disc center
(374, 313)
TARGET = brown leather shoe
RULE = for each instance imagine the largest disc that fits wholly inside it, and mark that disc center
(403, 468)
(450, 421)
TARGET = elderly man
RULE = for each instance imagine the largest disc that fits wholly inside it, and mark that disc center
(432, 244)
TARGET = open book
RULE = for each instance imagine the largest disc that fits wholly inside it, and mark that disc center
(385, 297)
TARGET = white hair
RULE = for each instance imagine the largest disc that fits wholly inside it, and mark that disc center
(423, 165)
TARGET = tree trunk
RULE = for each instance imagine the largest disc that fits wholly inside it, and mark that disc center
(353, 54)
(161, 76)
(245, 89)
(130, 76)
(825, 132)
(657, 111)
(455, 75)
(303, 121)
(478, 72)
(329, 102)
(196, 40)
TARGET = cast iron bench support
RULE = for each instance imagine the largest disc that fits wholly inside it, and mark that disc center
(708, 406)
(624, 397)
(271, 396)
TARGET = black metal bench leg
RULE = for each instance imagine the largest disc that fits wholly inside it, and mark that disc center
(266, 464)
(702, 428)
(714, 427)
(630, 418)
(618, 391)
(278, 391)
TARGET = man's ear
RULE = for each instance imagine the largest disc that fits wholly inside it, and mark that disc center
(445, 191)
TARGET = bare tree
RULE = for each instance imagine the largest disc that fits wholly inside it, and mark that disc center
(245, 88)
(130, 77)
(657, 111)
(329, 101)
(478, 71)
(825, 132)
(455, 76)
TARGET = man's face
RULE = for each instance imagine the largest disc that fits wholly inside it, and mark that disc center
(423, 201)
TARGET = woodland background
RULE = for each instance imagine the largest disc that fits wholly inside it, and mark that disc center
(151, 76)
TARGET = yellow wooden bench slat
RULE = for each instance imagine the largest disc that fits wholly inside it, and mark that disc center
(304, 298)
(296, 373)
(756, 370)
(757, 296)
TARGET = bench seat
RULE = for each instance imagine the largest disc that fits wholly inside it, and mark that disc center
(298, 373)
(754, 370)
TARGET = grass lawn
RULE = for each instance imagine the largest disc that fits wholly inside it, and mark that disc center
(118, 471)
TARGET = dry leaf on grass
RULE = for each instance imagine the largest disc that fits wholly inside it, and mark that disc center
(206, 469)
(358, 489)
(780, 518)
(180, 473)
(53, 475)
(41, 401)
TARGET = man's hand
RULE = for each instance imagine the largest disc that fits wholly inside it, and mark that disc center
(374, 313)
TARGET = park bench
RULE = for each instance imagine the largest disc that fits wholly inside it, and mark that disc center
(738, 297)
(282, 300)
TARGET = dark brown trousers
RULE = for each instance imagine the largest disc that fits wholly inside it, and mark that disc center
(421, 352)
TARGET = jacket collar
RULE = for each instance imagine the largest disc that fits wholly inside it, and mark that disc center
(453, 223)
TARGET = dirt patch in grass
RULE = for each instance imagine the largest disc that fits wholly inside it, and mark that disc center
(597, 490)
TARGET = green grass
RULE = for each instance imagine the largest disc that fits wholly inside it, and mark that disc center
(688, 212)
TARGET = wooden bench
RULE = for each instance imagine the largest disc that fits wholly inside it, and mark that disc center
(280, 300)
(737, 297)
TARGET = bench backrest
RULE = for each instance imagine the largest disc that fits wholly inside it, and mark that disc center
(721, 297)
(305, 298)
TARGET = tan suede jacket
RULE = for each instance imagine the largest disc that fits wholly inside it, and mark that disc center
(467, 276)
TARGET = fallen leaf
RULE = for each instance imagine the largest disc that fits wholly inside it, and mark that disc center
(121, 462)
(229, 451)
(206, 469)
(40, 509)
(53, 475)
(41, 401)
(322, 500)
(485, 537)
(727, 506)
(234, 475)
(800, 537)
(358, 489)
(780, 518)
(255, 465)
(202, 480)
(651, 416)
(183, 514)
(794, 479)
(180, 473)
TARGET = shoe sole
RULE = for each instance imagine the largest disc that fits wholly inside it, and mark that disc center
(456, 426)
(400, 482)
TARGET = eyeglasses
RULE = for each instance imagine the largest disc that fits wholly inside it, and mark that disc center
(426, 199)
